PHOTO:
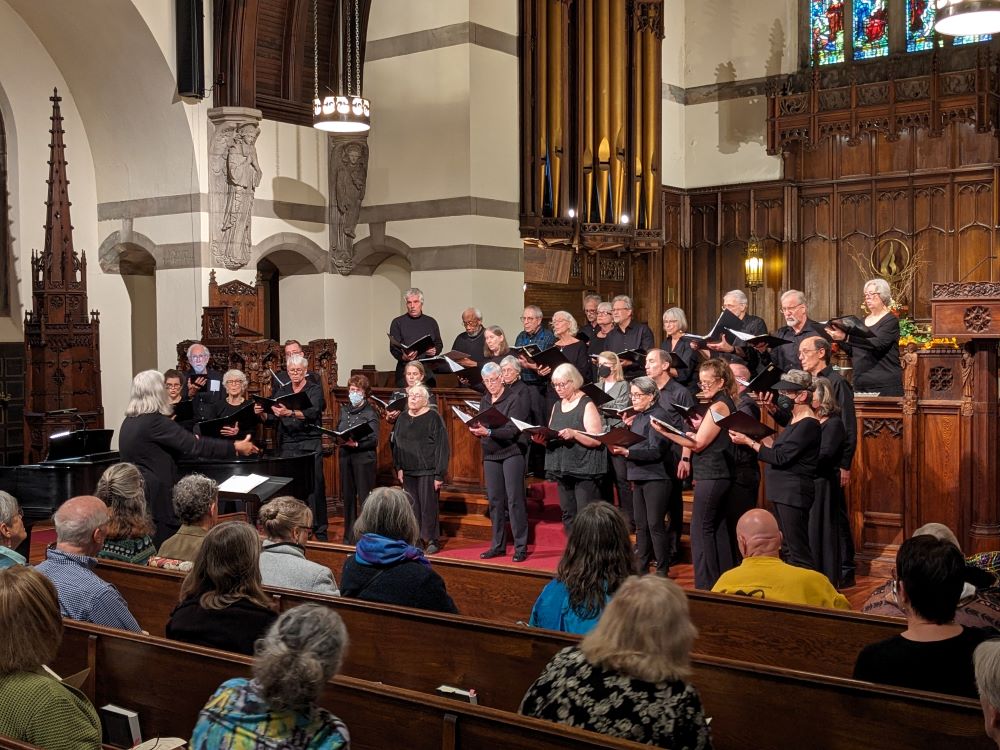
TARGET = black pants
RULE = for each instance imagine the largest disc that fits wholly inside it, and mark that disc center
(846, 538)
(649, 501)
(357, 479)
(710, 548)
(424, 500)
(675, 506)
(317, 498)
(505, 490)
(575, 493)
(615, 479)
(794, 524)
(742, 497)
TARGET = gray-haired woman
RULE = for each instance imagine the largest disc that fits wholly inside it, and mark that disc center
(301, 651)
(875, 359)
(503, 464)
(150, 439)
(235, 382)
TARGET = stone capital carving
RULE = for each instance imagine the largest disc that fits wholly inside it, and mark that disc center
(233, 180)
(348, 176)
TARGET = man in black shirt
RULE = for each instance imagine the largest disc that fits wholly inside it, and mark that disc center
(280, 378)
(471, 341)
(627, 334)
(408, 328)
(202, 384)
(589, 329)
(798, 326)
(736, 302)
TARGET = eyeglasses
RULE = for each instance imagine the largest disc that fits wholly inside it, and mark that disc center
(619, 309)
(603, 312)
(793, 308)
(307, 529)
(492, 380)
(872, 294)
(198, 356)
(229, 382)
(560, 384)
(669, 321)
(704, 384)
(638, 394)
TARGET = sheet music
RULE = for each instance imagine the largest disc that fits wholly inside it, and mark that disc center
(242, 484)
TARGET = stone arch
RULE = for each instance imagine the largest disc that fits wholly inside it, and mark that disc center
(293, 254)
(129, 254)
(134, 261)
(370, 252)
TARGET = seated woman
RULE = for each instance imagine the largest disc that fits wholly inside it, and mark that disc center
(38, 708)
(385, 566)
(598, 557)
(130, 529)
(978, 606)
(222, 604)
(287, 522)
(278, 708)
(12, 531)
(196, 503)
(934, 652)
(627, 678)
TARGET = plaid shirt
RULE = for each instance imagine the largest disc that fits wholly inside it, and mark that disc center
(82, 594)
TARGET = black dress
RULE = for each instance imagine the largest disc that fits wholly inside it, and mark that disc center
(154, 443)
(824, 516)
(876, 359)
(357, 465)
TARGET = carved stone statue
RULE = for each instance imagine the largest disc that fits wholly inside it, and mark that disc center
(909, 363)
(348, 175)
(968, 381)
(235, 175)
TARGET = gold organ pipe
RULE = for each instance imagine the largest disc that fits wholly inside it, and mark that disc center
(651, 45)
(603, 74)
(588, 109)
(541, 84)
(637, 107)
(556, 103)
(618, 94)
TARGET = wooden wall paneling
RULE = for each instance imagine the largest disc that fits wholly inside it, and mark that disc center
(855, 158)
(269, 54)
(932, 239)
(894, 156)
(703, 260)
(817, 241)
(856, 207)
(891, 245)
(974, 227)
(931, 153)
(769, 225)
(982, 417)
(734, 234)
(672, 256)
(939, 450)
(816, 163)
(972, 148)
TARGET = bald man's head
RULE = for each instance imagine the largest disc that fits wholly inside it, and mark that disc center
(757, 534)
(80, 525)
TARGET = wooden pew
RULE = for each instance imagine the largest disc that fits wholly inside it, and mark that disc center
(751, 706)
(782, 635)
(168, 683)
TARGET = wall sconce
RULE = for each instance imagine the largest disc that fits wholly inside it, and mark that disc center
(753, 266)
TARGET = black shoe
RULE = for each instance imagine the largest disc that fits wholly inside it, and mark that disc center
(520, 555)
(432, 548)
(848, 581)
(491, 553)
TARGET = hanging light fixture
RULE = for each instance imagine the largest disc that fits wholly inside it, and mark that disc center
(967, 17)
(348, 111)
(753, 264)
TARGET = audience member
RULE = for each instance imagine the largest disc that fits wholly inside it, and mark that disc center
(81, 527)
(628, 677)
(762, 574)
(597, 558)
(37, 707)
(934, 653)
(130, 529)
(986, 660)
(222, 604)
(196, 503)
(12, 531)
(278, 708)
(978, 606)
(287, 524)
(386, 567)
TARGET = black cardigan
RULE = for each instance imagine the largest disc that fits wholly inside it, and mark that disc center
(406, 584)
(505, 440)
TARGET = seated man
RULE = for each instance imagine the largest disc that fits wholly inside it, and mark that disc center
(986, 661)
(81, 525)
(763, 575)
(196, 503)
(12, 531)
(934, 652)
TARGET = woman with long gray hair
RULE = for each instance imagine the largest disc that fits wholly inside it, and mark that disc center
(278, 707)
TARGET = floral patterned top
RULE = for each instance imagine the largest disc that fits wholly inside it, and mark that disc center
(574, 692)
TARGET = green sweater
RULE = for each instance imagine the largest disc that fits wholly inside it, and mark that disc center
(42, 711)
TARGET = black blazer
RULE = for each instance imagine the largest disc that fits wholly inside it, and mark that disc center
(234, 628)
(154, 443)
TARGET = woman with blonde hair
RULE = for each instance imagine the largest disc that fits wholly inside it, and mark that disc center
(130, 530)
(222, 604)
(37, 707)
(287, 524)
(628, 677)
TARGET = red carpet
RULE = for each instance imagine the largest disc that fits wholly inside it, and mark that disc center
(546, 538)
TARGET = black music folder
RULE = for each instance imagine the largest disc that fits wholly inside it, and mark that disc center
(419, 346)
(743, 423)
(364, 429)
(748, 339)
(689, 412)
(528, 350)
(597, 394)
(724, 321)
(395, 404)
(850, 324)
(294, 401)
(244, 419)
(551, 357)
(763, 381)
(628, 411)
(620, 436)
(490, 418)
(533, 429)
(183, 411)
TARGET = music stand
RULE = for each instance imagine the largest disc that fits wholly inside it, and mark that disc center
(255, 498)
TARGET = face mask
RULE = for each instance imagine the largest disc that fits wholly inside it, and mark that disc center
(603, 371)
(356, 398)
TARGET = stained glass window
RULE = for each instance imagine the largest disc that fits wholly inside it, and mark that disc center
(871, 29)
(826, 26)
(920, 27)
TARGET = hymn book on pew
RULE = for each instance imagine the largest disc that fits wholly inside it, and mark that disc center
(364, 429)
(419, 346)
(294, 401)
(469, 695)
(490, 419)
(244, 419)
(533, 429)
(120, 726)
(725, 321)
(743, 423)
(616, 436)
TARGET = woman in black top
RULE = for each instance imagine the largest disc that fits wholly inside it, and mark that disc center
(357, 457)
(222, 604)
(572, 348)
(713, 469)
(824, 516)
(503, 465)
(414, 373)
(646, 469)
(674, 327)
(297, 435)
(150, 439)
(420, 453)
(792, 463)
(876, 359)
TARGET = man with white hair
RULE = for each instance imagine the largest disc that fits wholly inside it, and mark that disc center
(798, 326)
(81, 527)
(409, 328)
(202, 384)
(986, 660)
(470, 341)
